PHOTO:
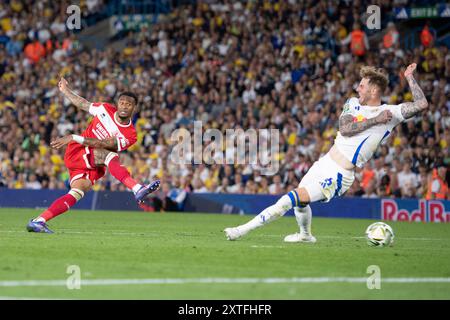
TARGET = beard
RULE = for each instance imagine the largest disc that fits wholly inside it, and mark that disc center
(123, 117)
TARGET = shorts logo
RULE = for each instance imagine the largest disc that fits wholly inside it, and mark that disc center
(326, 182)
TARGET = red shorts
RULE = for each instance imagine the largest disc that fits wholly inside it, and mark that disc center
(80, 162)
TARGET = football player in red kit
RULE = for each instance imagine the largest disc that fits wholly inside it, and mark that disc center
(87, 156)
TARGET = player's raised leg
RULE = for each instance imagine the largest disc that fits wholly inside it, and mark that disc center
(119, 172)
(290, 200)
(62, 204)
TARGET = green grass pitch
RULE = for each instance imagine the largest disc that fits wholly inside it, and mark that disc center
(188, 249)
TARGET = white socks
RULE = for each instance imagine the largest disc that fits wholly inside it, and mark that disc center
(303, 217)
(39, 219)
(269, 214)
(136, 188)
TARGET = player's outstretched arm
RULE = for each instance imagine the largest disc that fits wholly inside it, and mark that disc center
(348, 127)
(108, 144)
(78, 101)
(410, 109)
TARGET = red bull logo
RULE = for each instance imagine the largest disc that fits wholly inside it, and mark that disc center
(428, 211)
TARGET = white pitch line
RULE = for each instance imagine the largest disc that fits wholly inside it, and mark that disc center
(109, 282)
(67, 231)
(125, 233)
(360, 237)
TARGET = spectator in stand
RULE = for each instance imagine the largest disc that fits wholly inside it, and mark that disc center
(424, 181)
(34, 51)
(407, 179)
(33, 183)
(223, 188)
(359, 43)
(237, 186)
(277, 186)
(367, 176)
(426, 37)
(391, 38)
(384, 188)
(438, 186)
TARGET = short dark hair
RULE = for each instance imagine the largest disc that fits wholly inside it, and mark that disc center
(129, 94)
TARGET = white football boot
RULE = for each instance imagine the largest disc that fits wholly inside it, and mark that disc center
(232, 233)
(300, 237)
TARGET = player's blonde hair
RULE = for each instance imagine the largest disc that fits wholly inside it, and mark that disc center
(376, 76)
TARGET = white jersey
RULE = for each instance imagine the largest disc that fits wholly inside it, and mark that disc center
(359, 148)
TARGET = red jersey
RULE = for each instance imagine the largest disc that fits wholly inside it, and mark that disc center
(104, 125)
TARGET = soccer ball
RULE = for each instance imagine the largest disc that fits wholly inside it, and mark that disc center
(379, 234)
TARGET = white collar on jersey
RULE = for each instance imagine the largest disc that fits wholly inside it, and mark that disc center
(118, 123)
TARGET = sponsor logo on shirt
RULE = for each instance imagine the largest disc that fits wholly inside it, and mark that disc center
(100, 131)
(359, 118)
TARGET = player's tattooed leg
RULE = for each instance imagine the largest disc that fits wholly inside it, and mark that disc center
(100, 156)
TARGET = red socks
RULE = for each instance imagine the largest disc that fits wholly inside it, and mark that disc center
(119, 171)
(59, 206)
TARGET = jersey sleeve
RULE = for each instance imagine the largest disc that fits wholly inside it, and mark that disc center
(94, 108)
(350, 107)
(110, 107)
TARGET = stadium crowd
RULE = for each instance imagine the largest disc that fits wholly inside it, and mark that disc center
(281, 65)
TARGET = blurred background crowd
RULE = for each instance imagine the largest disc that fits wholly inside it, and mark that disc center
(285, 65)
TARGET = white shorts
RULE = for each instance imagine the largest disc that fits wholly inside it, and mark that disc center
(326, 180)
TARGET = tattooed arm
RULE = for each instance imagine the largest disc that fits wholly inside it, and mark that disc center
(78, 101)
(410, 109)
(348, 128)
(108, 144)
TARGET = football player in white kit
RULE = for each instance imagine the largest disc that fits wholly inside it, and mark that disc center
(363, 125)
